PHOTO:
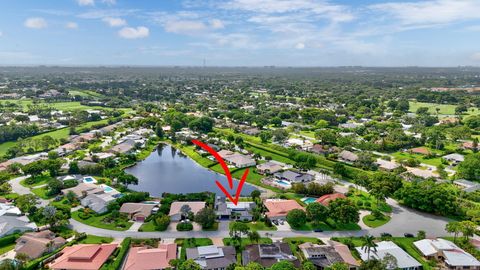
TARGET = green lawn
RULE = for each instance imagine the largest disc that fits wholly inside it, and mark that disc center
(39, 180)
(98, 221)
(7, 248)
(245, 242)
(307, 133)
(444, 109)
(260, 226)
(147, 227)
(330, 225)
(371, 222)
(42, 193)
(93, 239)
(363, 200)
(423, 159)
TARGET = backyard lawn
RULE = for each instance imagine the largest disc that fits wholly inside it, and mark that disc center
(363, 200)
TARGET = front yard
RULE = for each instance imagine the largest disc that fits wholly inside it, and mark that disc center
(104, 221)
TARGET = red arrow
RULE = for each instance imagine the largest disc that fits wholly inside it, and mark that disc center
(227, 173)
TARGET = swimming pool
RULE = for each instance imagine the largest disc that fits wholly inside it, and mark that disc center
(89, 179)
(107, 189)
(283, 183)
(308, 200)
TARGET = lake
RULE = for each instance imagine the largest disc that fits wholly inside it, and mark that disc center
(169, 170)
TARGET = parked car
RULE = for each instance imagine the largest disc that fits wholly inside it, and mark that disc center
(318, 230)
(280, 221)
(409, 235)
(275, 222)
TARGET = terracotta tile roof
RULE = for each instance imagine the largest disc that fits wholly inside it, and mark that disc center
(326, 199)
(420, 150)
(141, 258)
(83, 257)
(278, 208)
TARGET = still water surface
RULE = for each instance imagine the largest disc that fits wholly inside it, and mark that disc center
(169, 170)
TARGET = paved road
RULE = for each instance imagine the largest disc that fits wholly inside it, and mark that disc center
(18, 188)
(404, 220)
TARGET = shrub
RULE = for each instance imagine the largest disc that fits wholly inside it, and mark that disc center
(184, 226)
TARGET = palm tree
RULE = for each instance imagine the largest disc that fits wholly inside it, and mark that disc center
(453, 227)
(369, 245)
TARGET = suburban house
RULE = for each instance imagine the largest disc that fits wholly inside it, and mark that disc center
(454, 158)
(278, 208)
(85, 257)
(228, 210)
(124, 147)
(213, 257)
(347, 156)
(323, 149)
(35, 244)
(386, 165)
(137, 211)
(84, 189)
(175, 213)
(11, 224)
(404, 260)
(467, 186)
(6, 208)
(294, 177)
(269, 167)
(443, 250)
(236, 159)
(269, 254)
(142, 258)
(324, 256)
(422, 173)
(327, 198)
(98, 202)
(299, 143)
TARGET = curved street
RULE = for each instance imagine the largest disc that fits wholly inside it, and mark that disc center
(404, 220)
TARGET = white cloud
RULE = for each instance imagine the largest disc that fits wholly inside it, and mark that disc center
(300, 46)
(217, 24)
(476, 56)
(35, 23)
(184, 26)
(71, 25)
(114, 22)
(86, 2)
(430, 13)
(134, 32)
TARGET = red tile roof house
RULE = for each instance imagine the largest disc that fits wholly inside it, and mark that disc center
(142, 258)
(83, 257)
(326, 199)
(278, 209)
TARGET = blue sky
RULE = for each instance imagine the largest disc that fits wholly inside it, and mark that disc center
(240, 32)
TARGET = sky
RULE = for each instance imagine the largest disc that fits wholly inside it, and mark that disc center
(240, 32)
